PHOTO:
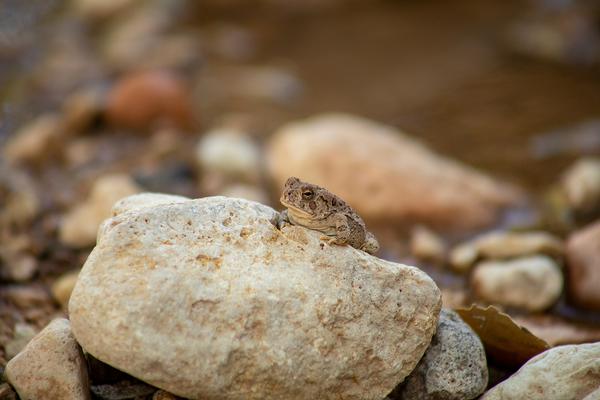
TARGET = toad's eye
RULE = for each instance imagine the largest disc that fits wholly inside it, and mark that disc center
(307, 194)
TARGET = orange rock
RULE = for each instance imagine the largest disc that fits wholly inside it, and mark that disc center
(145, 99)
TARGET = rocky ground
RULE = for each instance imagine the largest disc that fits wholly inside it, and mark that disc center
(144, 148)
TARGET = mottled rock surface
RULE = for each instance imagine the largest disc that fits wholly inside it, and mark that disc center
(399, 180)
(532, 283)
(583, 267)
(453, 368)
(564, 372)
(51, 366)
(208, 300)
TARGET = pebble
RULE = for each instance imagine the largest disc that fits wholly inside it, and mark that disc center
(454, 366)
(6, 392)
(427, 245)
(501, 245)
(61, 289)
(208, 299)
(23, 333)
(163, 395)
(583, 267)
(230, 153)
(581, 184)
(20, 202)
(99, 10)
(51, 366)
(34, 141)
(532, 283)
(148, 99)
(400, 180)
(16, 264)
(80, 225)
(563, 372)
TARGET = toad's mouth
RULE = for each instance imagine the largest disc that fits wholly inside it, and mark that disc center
(295, 210)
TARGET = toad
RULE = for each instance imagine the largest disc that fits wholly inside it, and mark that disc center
(316, 208)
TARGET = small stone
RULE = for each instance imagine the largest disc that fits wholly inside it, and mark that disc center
(583, 267)
(581, 184)
(400, 180)
(61, 289)
(500, 245)
(230, 153)
(80, 225)
(22, 335)
(148, 99)
(563, 372)
(35, 141)
(532, 283)
(427, 245)
(454, 366)
(51, 366)
(208, 299)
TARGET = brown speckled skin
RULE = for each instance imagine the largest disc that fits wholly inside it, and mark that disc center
(315, 207)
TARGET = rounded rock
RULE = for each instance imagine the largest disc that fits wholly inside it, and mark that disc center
(208, 299)
(80, 225)
(454, 366)
(400, 180)
(563, 372)
(51, 366)
(142, 100)
(532, 283)
(583, 267)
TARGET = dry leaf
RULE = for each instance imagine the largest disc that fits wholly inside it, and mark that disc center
(505, 342)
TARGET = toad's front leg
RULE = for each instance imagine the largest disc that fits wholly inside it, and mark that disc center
(342, 230)
(283, 219)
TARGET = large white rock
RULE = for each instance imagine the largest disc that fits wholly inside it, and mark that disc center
(564, 372)
(51, 366)
(207, 299)
(384, 174)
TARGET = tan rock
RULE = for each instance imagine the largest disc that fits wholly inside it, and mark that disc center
(79, 227)
(499, 245)
(583, 267)
(533, 283)
(384, 174)
(581, 184)
(207, 299)
(564, 372)
(51, 366)
(61, 289)
(427, 245)
(34, 141)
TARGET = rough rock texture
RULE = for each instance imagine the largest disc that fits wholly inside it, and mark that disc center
(145, 200)
(583, 266)
(453, 368)
(496, 245)
(51, 366)
(207, 299)
(80, 225)
(384, 174)
(533, 283)
(564, 372)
